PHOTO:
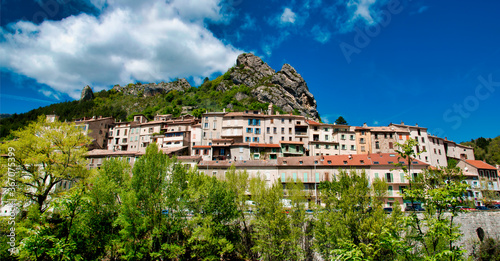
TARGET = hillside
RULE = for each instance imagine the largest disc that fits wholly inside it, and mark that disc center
(250, 84)
(486, 149)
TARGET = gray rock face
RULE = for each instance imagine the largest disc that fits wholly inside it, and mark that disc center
(87, 94)
(152, 89)
(250, 70)
(286, 88)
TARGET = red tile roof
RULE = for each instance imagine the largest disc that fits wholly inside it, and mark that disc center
(480, 164)
(310, 122)
(202, 147)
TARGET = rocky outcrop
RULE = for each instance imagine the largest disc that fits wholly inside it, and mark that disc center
(87, 94)
(285, 88)
(152, 89)
(250, 69)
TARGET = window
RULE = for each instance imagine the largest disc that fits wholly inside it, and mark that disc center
(257, 130)
(247, 139)
(402, 189)
(268, 130)
(385, 135)
(326, 137)
(423, 140)
(342, 137)
(294, 177)
(388, 177)
(256, 139)
(376, 175)
(289, 130)
(272, 121)
(132, 131)
(274, 130)
(389, 192)
(205, 125)
(317, 146)
(376, 136)
(439, 151)
(362, 140)
(305, 177)
(402, 177)
(214, 173)
(377, 145)
(418, 132)
(282, 130)
(351, 137)
(297, 149)
(352, 147)
(362, 148)
(249, 130)
(391, 146)
(343, 146)
(271, 139)
(205, 151)
(400, 136)
(241, 149)
(125, 132)
(282, 120)
(327, 146)
(197, 152)
(390, 135)
(118, 133)
(283, 177)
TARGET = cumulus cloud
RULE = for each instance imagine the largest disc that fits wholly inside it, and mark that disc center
(288, 16)
(147, 41)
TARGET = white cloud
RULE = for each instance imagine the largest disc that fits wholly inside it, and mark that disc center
(288, 16)
(148, 41)
(320, 34)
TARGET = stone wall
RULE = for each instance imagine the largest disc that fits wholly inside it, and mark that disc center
(489, 221)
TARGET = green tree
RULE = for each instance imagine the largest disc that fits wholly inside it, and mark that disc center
(352, 225)
(45, 154)
(340, 121)
(433, 234)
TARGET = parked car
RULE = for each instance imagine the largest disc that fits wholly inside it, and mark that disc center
(497, 206)
(388, 210)
(482, 208)
(414, 208)
(465, 208)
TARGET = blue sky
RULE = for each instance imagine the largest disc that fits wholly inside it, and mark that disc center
(435, 63)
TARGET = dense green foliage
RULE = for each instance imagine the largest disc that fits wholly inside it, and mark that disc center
(160, 210)
(486, 149)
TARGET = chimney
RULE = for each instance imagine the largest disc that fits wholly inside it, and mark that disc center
(402, 123)
(224, 110)
(416, 124)
(350, 156)
(364, 125)
(270, 109)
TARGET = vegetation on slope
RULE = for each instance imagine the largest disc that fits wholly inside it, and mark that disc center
(123, 107)
(486, 149)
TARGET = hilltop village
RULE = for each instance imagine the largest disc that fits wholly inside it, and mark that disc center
(284, 147)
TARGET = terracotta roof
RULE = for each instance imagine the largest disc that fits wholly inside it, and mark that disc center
(310, 122)
(189, 158)
(300, 161)
(292, 142)
(480, 164)
(265, 145)
(96, 153)
(237, 163)
(202, 147)
(172, 149)
(347, 160)
(243, 114)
